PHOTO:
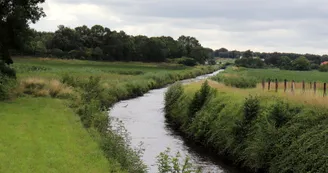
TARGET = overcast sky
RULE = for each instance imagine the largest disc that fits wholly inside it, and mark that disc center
(260, 25)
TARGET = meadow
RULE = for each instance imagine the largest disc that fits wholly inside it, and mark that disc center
(258, 130)
(58, 109)
(281, 75)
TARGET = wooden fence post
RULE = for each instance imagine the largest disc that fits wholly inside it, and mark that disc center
(263, 84)
(315, 87)
(303, 86)
(269, 84)
(285, 85)
(310, 85)
(324, 89)
(292, 86)
(276, 85)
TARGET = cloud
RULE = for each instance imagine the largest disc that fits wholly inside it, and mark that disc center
(260, 25)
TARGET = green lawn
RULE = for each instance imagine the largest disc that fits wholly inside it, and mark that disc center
(43, 135)
(298, 76)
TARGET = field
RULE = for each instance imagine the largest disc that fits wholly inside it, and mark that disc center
(257, 130)
(54, 99)
(298, 76)
(43, 135)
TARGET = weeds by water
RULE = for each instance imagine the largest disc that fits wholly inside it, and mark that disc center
(260, 133)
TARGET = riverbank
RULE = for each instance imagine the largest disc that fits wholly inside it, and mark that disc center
(261, 133)
(90, 88)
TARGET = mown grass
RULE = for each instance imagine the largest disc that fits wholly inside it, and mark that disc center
(258, 130)
(89, 88)
(43, 135)
(298, 76)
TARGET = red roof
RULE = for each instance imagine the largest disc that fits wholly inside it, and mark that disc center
(325, 62)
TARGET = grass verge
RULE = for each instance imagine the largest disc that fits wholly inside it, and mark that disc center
(43, 135)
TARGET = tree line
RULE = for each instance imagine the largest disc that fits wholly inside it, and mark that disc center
(102, 43)
(285, 61)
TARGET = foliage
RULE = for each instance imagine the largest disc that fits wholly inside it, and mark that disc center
(301, 64)
(199, 100)
(7, 85)
(7, 71)
(261, 133)
(250, 62)
(323, 68)
(172, 164)
(101, 43)
(284, 63)
(15, 17)
(241, 81)
(185, 61)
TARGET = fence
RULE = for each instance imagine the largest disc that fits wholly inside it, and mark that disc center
(292, 86)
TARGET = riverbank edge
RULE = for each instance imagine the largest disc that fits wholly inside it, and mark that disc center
(101, 135)
(280, 119)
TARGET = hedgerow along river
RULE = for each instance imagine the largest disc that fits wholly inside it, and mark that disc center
(144, 119)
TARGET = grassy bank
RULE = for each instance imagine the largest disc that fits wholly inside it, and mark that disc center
(89, 89)
(43, 135)
(260, 131)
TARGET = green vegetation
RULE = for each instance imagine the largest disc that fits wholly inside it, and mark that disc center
(259, 74)
(168, 164)
(89, 89)
(236, 81)
(44, 135)
(260, 132)
(323, 68)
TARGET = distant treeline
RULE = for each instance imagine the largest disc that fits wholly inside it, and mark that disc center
(101, 43)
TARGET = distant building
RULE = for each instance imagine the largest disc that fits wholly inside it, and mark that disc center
(323, 63)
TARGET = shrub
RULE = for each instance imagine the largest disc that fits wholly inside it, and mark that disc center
(302, 64)
(7, 84)
(172, 95)
(199, 99)
(5, 70)
(236, 81)
(250, 63)
(168, 164)
(186, 61)
(323, 68)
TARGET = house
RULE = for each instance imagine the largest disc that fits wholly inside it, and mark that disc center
(323, 63)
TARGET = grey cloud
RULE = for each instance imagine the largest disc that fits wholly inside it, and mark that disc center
(271, 25)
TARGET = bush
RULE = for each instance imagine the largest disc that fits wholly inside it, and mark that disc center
(323, 68)
(6, 70)
(7, 84)
(302, 64)
(236, 81)
(250, 63)
(186, 61)
(168, 164)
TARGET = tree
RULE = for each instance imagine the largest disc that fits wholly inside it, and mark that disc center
(301, 64)
(14, 19)
(285, 63)
(248, 54)
(188, 43)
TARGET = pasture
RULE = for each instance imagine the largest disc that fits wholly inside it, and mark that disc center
(259, 74)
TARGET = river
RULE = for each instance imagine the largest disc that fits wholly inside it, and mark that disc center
(143, 117)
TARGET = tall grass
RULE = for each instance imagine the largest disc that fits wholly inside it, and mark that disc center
(236, 81)
(261, 132)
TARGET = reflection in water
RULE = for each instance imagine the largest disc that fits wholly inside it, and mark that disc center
(144, 119)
